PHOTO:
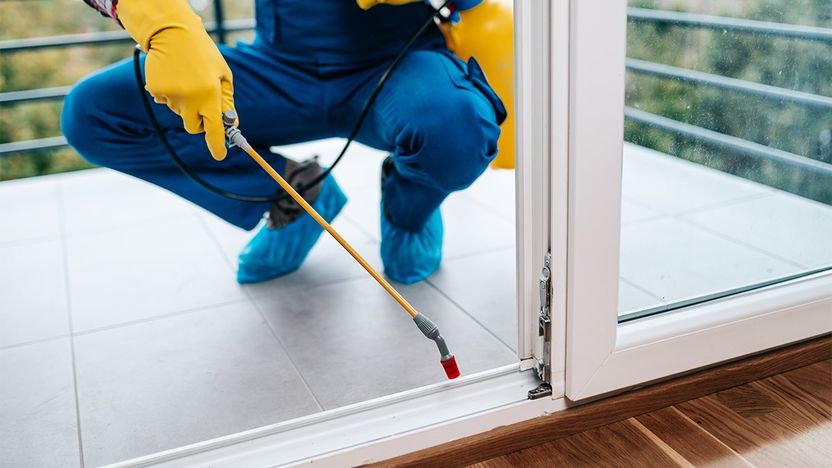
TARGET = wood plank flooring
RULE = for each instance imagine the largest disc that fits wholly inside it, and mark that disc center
(807, 384)
(783, 420)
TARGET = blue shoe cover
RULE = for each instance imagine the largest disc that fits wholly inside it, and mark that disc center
(276, 252)
(410, 256)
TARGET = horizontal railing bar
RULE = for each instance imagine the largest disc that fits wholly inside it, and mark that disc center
(635, 14)
(680, 128)
(634, 65)
(732, 143)
(676, 18)
(38, 94)
(104, 37)
(733, 84)
(32, 145)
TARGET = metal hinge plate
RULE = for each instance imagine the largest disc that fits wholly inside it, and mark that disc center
(545, 320)
(542, 390)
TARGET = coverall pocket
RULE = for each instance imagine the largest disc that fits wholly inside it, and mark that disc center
(471, 77)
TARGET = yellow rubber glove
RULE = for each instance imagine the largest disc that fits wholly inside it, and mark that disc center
(367, 4)
(184, 68)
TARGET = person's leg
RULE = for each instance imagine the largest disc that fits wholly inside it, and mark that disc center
(104, 120)
(440, 120)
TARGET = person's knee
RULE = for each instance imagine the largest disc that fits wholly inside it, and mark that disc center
(87, 119)
(77, 118)
(464, 135)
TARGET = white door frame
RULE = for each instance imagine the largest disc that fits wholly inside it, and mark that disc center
(542, 105)
(601, 355)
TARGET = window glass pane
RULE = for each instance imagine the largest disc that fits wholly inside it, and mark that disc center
(728, 149)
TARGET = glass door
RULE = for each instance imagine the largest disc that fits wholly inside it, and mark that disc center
(704, 235)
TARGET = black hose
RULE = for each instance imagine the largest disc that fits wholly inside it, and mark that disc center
(281, 194)
(176, 159)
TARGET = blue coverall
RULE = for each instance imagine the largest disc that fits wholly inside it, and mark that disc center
(305, 77)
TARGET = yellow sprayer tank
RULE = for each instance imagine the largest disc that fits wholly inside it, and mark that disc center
(487, 33)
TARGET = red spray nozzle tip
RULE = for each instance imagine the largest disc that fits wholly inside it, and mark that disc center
(451, 369)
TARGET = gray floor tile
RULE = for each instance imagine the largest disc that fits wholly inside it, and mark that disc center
(179, 380)
(29, 209)
(672, 185)
(631, 298)
(147, 270)
(327, 263)
(495, 190)
(33, 296)
(37, 406)
(782, 224)
(363, 210)
(353, 342)
(469, 227)
(675, 260)
(472, 229)
(101, 198)
(230, 238)
(485, 286)
(633, 212)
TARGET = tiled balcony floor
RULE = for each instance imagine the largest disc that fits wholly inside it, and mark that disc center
(121, 325)
(168, 350)
(689, 231)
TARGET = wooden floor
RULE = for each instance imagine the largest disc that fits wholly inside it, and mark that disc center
(784, 420)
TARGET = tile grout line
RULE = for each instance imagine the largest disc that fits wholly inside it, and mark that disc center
(489, 208)
(663, 446)
(29, 241)
(168, 315)
(681, 214)
(458, 306)
(34, 342)
(67, 285)
(288, 355)
(130, 225)
(681, 217)
(256, 295)
(451, 258)
(642, 289)
(708, 434)
(740, 242)
(360, 226)
(252, 300)
(484, 251)
(645, 220)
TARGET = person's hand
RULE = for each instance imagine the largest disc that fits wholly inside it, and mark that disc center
(184, 69)
(367, 4)
(459, 4)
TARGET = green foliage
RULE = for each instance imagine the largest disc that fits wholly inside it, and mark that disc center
(792, 64)
(56, 67)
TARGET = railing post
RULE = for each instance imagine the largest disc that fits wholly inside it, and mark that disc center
(219, 18)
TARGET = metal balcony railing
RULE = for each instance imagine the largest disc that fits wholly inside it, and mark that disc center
(738, 146)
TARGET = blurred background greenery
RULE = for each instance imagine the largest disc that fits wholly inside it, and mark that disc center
(787, 63)
(60, 67)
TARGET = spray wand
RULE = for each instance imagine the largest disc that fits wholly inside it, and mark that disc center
(426, 325)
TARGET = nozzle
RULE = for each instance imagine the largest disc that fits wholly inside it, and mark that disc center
(431, 331)
(232, 133)
(451, 369)
(229, 118)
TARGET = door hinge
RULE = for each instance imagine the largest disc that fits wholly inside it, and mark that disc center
(544, 332)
